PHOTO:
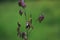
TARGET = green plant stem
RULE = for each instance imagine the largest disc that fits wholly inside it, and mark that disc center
(27, 34)
(25, 15)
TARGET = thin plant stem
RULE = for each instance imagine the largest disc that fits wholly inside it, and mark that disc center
(27, 34)
(25, 14)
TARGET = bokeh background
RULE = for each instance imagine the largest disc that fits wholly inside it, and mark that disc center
(49, 29)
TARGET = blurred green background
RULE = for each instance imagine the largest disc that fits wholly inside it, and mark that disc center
(49, 29)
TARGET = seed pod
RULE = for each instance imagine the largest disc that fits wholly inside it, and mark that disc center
(20, 12)
(18, 24)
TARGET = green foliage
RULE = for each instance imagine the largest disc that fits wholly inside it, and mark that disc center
(28, 0)
(49, 29)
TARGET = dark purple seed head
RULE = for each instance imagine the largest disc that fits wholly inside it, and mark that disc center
(41, 18)
(20, 2)
(18, 24)
(20, 12)
(23, 5)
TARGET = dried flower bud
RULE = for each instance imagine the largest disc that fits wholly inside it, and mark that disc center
(20, 12)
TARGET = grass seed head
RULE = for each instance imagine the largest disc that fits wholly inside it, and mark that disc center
(19, 25)
(21, 12)
(19, 34)
(28, 25)
(41, 17)
(22, 3)
(23, 34)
